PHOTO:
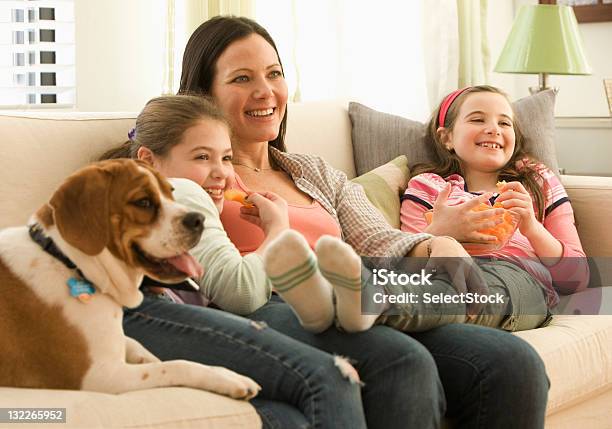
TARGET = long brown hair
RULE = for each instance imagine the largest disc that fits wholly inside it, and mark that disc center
(205, 46)
(163, 121)
(446, 162)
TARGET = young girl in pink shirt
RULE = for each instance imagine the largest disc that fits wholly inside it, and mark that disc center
(479, 160)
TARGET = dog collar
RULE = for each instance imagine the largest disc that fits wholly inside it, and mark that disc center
(80, 287)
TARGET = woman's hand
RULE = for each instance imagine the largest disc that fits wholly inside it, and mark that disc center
(269, 213)
(447, 255)
(460, 221)
(515, 198)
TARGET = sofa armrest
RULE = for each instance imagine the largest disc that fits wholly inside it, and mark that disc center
(591, 198)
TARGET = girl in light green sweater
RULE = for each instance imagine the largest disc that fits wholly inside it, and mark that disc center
(188, 140)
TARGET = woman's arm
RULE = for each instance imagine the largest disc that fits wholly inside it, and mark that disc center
(363, 226)
(234, 283)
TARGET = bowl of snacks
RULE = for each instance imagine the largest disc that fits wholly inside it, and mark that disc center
(502, 232)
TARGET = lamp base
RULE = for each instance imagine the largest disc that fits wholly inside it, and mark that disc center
(542, 84)
(536, 89)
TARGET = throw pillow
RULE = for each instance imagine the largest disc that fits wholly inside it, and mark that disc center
(384, 186)
(379, 137)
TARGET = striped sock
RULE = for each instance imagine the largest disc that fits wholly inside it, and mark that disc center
(293, 271)
(341, 266)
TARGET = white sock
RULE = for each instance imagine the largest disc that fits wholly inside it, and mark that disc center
(292, 268)
(339, 264)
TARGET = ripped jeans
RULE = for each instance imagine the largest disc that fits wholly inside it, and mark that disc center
(301, 386)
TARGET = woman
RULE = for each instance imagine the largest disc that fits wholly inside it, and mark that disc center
(186, 138)
(489, 378)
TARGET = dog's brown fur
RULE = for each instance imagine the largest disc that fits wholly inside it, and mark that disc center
(117, 221)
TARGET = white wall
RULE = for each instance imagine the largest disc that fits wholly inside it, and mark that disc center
(119, 53)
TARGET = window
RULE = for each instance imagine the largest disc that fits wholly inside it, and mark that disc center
(18, 59)
(47, 57)
(18, 15)
(47, 35)
(37, 53)
(46, 13)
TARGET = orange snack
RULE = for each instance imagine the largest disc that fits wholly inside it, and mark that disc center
(238, 196)
(502, 231)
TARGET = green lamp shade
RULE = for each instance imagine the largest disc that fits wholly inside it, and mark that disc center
(544, 39)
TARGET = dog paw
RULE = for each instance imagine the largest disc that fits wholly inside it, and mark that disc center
(235, 385)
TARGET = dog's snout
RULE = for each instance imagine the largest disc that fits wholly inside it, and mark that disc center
(194, 221)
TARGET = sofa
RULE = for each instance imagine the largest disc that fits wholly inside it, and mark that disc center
(37, 150)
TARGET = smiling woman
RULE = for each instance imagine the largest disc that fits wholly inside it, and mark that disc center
(392, 364)
(250, 88)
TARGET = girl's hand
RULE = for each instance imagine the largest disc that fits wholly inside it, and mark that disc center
(517, 200)
(447, 255)
(269, 213)
(460, 222)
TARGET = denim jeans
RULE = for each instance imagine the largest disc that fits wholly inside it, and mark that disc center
(491, 378)
(301, 386)
(481, 377)
(523, 307)
(401, 388)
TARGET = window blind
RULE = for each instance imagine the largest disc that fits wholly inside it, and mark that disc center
(37, 54)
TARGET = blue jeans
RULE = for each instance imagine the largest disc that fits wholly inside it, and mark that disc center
(491, 378)
(301, 387)
(481, 377)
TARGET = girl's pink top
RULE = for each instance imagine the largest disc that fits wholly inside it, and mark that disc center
(569, 275)
(311, 220)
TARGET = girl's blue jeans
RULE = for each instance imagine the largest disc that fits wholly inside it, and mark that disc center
(478, 377)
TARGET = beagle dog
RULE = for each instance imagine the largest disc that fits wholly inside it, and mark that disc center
(65, 278)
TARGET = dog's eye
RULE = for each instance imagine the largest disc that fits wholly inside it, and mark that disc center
(144, 203)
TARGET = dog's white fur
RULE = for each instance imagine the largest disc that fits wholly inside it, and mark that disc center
(116, 363)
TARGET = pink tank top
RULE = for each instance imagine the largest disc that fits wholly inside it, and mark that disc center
(311, 220)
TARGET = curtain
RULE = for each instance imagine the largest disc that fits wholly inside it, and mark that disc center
(352, 50)
(168, 50)
(441, 33)
(182, 18)
(400, 57)
(457, 52)
(474, 58)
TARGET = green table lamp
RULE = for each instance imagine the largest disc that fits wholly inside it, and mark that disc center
(544, 40)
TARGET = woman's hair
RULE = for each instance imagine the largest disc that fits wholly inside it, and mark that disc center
(163, 121)
(205, 46)
(446, 162)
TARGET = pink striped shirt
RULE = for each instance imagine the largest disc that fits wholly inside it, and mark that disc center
(569, 275)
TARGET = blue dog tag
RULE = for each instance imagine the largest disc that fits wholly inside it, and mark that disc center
(80, 289)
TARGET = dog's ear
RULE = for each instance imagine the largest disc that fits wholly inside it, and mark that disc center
(81, 209)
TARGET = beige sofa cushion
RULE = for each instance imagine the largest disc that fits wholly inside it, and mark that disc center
(37, 154)
(591, 199)
(321, 128)
(167, 408)
(576, 352)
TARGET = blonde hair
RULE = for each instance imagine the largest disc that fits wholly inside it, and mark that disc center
(446, 162)
(163, 121)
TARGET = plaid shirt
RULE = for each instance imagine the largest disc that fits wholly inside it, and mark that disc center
(362, 225)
